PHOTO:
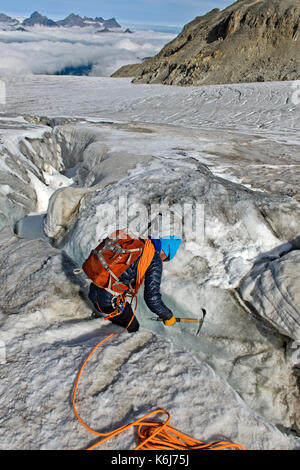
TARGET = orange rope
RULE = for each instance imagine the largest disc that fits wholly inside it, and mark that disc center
(144, 263)
(152, 435)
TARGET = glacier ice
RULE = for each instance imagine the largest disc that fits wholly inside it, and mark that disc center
(50, 333)
(244, 271)
(239, 227)
(272, 289)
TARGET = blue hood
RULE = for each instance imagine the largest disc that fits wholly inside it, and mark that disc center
(170, 245)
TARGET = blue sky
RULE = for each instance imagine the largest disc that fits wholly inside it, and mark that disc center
(163, 12)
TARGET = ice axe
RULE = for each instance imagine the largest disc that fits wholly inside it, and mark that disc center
(187, 320)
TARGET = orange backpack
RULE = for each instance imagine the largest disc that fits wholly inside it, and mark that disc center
(107, 262)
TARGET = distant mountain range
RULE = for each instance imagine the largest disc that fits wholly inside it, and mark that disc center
(72, 20)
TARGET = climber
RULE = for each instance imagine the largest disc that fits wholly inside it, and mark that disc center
(105, 302)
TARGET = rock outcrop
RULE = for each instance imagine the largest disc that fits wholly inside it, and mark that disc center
(249, 41)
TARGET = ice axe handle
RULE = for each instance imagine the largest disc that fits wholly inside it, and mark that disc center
(187, 320)
(180, 320)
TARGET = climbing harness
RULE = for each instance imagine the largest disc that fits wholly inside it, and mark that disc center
(118, 306)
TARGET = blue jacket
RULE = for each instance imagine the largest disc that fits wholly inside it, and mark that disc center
(152, 283)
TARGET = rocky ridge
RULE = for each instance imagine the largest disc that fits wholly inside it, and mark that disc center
(247, 42)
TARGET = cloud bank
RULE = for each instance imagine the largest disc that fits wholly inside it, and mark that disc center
(42, 50)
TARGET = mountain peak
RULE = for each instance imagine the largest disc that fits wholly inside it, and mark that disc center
(37, 19)
(71, 20)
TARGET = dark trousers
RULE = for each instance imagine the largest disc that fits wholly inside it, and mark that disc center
(123, 319)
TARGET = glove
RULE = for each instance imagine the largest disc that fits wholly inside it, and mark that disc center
(170, 322)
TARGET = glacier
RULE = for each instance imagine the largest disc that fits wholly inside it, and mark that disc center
(69, 146)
